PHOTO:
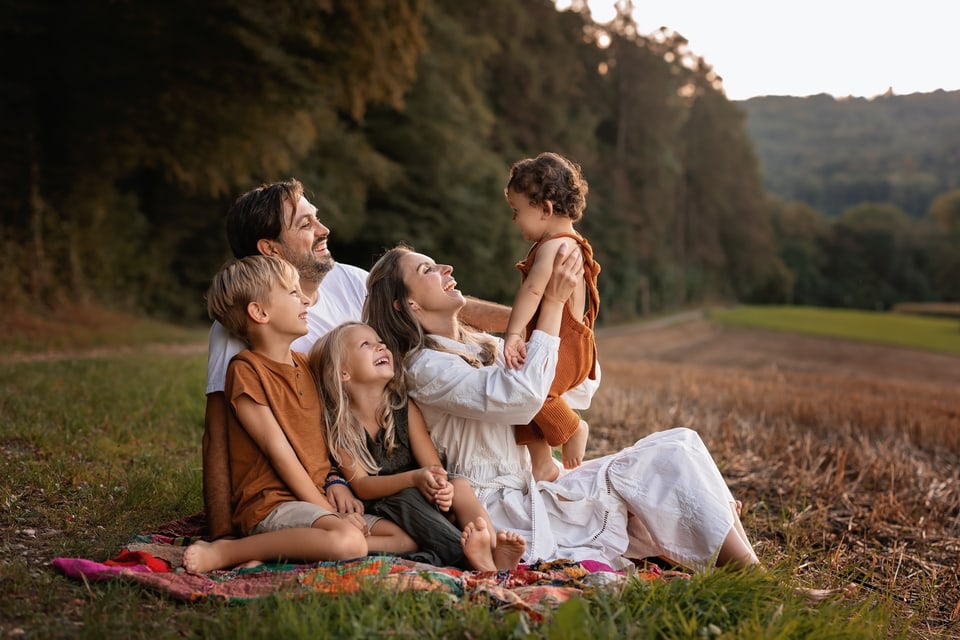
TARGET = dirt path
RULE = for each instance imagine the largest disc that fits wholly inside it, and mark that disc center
(700, 342)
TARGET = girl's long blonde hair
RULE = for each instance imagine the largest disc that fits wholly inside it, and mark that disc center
(345, 433)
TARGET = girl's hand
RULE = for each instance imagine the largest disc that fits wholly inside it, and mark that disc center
(428, 482)
(444, 497)
(343, 500)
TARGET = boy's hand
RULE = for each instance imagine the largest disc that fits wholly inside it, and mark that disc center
(343, 500)
(357, 520)
(514, 350)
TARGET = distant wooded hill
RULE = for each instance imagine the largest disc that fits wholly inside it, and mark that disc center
(835, 153)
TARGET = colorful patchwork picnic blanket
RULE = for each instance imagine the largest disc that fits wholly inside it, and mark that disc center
(154, 560)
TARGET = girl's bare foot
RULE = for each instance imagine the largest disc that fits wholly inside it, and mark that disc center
(202, 556)
(475, 541)
(509, 550)
(573, 450)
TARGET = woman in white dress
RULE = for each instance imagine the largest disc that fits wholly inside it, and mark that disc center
(662, 497)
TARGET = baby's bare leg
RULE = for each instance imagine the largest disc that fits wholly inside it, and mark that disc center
(541, 459)
(575, 448)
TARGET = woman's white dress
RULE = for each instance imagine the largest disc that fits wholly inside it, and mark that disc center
(663, 496)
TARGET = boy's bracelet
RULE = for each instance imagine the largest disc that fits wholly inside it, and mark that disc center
(332, 481)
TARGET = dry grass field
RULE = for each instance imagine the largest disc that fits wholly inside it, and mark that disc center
(846, 456)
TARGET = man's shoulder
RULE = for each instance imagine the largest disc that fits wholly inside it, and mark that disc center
(347, 272)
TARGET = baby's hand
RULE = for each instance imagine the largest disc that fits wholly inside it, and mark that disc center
(514, 350)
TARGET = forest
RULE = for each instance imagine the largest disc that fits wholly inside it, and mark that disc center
(835, 153)
(135, 125)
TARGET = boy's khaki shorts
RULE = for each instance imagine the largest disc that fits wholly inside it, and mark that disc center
(299, 515)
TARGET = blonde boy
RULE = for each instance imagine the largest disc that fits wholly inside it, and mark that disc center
(278, 454)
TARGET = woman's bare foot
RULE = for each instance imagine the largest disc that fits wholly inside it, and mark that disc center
(202, 556)
(475, 541)
(573, 450)
(509, 550)
(541, 461)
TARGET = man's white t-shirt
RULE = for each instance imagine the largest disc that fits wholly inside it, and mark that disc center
(341, 296)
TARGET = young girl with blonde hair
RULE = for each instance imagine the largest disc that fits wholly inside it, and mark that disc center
(379, 440)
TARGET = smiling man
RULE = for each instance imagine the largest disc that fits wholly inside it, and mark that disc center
(278, 220)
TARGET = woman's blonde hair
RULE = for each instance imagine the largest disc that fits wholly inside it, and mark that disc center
(387, 312)
(345, 433)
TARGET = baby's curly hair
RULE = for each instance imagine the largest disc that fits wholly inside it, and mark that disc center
(551, 177)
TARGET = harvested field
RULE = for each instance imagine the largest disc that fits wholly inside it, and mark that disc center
(846, 455)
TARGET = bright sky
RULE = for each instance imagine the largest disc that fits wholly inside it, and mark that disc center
(840, 47)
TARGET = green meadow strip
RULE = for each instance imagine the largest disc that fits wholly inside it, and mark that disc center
(936, 334)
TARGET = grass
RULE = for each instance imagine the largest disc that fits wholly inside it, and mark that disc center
(81, 327)
(938, 334)
(97, 450)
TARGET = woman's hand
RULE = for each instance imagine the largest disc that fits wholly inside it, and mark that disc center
(567, 274)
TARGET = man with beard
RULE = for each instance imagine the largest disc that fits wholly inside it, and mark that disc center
(278, 220)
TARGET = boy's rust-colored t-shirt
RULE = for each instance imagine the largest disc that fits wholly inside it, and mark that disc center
(291, 394)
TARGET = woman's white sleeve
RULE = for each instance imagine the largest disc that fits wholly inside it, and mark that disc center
(445, 382)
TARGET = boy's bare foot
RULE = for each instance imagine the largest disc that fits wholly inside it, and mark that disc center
(575, 448)
(202, 556)
(510, 548)
(541, 461)
(475, 541)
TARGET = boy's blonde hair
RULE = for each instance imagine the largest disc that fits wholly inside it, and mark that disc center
(242, 281)
(345, 433)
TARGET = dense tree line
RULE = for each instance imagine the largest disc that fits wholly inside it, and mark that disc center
(837, 153)
(134, 125)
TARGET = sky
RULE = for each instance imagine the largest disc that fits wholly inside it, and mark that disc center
(841, 47)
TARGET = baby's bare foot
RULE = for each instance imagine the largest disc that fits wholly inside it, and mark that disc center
(475, 541)
(541, 461)
(202, 556)
(510, 548)
(575, 448)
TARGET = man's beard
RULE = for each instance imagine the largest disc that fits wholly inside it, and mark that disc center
(311, 268)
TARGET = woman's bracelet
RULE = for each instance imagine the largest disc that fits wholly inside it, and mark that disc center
(332, 481)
